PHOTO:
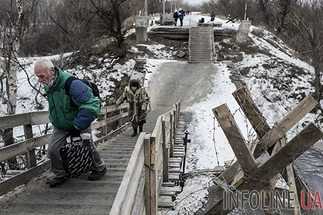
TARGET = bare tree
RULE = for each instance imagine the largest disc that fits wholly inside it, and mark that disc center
(284, 9)
(11, 36)
(112, 13)
(308, 19)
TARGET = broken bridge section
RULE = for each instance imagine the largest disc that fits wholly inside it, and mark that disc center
(261, 163)
(201, 45)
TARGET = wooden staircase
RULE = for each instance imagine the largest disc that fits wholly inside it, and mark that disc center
(78, 195)
(170, 189)
(201, 45)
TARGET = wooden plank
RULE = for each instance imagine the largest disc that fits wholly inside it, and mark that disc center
(157, 129)
(139, 206)
(39, 118)
(238, 179)
(292, 187)
(171, 143)
(124, 200)
(167, 193)
(31, 157)
(147, 174)
(168, 184)
(166, 202)
(175, 170)
(174, 126)
(98, 124)
(279, 129)
(255, 117)
(173, 176)
(175, 160)
(13, 150)
(34, 118)
(116, 118)
(176, 189)
(235, 138)
(289, 152)
(23, 178)
(112, 108)
(153, 178)
(165, 153)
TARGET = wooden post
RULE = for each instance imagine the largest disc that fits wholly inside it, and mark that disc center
(292, 185)
(105, 128)
(235, 138)
(252, 112)
(289, 152)
(174, 127)
(31, 157)
(165, 153)
(150, 176)
(147, 174)
(171, 146)
(279, 130)
(153, 178)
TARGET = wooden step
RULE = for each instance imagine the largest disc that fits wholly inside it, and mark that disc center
(166, 202)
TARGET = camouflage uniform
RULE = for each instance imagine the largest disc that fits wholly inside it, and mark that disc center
(138, 101)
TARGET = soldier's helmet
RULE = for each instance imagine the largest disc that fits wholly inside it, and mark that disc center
(134, 83)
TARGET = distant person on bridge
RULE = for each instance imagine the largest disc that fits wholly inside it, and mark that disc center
(175, 16)
(138, 100)
(70, 115)
(181, 14)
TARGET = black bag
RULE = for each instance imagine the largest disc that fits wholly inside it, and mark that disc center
(92, 85)
(77, 157)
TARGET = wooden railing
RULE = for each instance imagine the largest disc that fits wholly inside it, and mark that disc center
(148, 168)
(111, 118)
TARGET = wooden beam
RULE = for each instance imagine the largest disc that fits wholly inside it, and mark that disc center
(165, 152)
(235, 138)
(147, 174)
(153, 178)
(125, 197)
(289, 152)
(39, 117)
(13, 150)
(23, 178)
(279, 130)
(255, 117)
(171, 139)
(31, 157)
(34, 118)
(292, 187)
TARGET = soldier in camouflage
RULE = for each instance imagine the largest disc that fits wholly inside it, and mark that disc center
(138, 100)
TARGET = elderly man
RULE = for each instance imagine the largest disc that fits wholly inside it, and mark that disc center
(71, 113)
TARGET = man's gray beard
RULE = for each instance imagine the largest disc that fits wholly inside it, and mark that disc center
(49, 84)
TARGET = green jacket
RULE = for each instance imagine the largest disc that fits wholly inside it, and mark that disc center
(63, 114)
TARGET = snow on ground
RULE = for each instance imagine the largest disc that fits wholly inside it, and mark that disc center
(277, 81)
(204, 128)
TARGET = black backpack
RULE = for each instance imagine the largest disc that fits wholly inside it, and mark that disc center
(92, 85)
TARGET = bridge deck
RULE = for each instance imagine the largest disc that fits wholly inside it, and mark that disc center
(78, 196)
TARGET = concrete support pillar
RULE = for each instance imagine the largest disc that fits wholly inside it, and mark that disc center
(244, 28)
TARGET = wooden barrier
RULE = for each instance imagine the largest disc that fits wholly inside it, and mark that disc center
(266, 158)
(125, 198)
(28, 146)
(152, 166)
(147, 169)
